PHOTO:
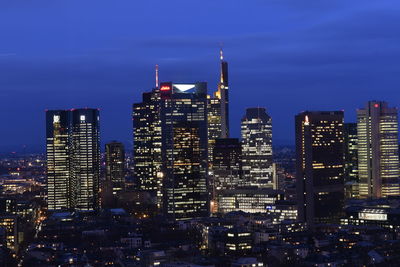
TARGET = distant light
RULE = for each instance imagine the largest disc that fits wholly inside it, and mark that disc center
(184, 87)
(56, 118)
(165, 88)
(376, 105)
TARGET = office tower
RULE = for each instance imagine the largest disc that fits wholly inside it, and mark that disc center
(184, 150)
(73, 159)
(115, 166)
(227, 163)
(226, 167)
(58, 149)
(256, 132)
(214, 124)
(223, 94)
(85, 158)
(378, 158)
(218, 109)
(319, 166)
(350, 160)
(147, 141)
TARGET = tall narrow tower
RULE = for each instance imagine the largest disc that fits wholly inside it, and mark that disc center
(223, 94)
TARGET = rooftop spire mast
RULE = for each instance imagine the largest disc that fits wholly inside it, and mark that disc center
(157, 84)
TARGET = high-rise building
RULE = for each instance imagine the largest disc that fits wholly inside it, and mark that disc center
(256, 130)
(184, 150)
(73, 159)
(351, 160)
(147, 141)
(58, 151)
(319, 166)
(378, 152)
(226, 168)
(115, 166)
(218, 109)
(227, 163)
(85, 158)
(223, 94)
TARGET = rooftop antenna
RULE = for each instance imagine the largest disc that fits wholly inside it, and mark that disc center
(156, 75)
(221, 52)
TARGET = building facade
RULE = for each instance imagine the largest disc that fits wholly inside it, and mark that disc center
(351, 160)
(378, 152)
(319, 166)
(115, 166)
(184, 150)
(251, 199)
(58, 152)
(73, 159)
(147, 141)
(227, 163)
(257, 165)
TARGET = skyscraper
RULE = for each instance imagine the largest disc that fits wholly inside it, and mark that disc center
(223, 94)
(351, 159)
(319, 166)
(218, 109)
(73, 159)
(227, 163)
(115, 166)
(184, 150)
(147, 141)
(58, 149)
(256, 130)
(227, 168)
(85, 158)
(378, 152)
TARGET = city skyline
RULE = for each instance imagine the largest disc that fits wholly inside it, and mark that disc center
(275, 57)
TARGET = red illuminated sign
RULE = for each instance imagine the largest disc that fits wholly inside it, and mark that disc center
(165, 88)
(376, 105)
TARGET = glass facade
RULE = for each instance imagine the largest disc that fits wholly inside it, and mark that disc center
(73, 159)
(256, 130)
(147, 141)
(378, 152)
(184, 150)
(115, 166)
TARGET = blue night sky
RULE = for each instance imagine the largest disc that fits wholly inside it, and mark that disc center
(285, 55)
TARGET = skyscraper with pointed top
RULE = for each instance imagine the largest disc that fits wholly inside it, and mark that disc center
(218, 115)
(147, 139)
(223, 94)
(218, 107)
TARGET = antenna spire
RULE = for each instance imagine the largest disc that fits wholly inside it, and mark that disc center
(157, 76)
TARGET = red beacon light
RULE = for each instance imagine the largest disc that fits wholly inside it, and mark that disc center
(376, 105)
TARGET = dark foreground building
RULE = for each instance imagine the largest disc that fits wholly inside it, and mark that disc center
(319, 163)
(115, 166)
